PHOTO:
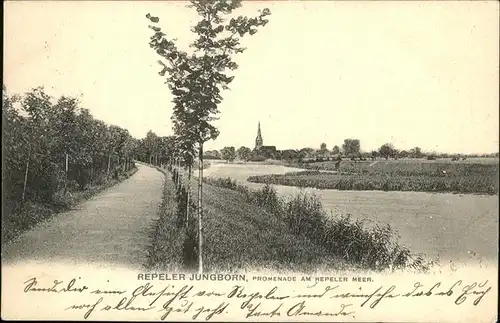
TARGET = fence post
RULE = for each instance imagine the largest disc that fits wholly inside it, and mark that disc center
(200, 209)
(109, 165)
(25, 179)
(188, 195)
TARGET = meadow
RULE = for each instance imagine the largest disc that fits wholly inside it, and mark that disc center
(394, 175)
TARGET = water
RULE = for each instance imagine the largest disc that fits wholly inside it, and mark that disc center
(456, 228)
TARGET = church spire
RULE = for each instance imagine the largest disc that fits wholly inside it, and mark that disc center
(258, 141)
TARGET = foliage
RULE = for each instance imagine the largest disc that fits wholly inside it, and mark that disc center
(196, 80)
(155, 150)
(244, 153)
(351, 147)
(386, 150)
(211, 154)
(228, 153)
(416, 152)
(39, 134)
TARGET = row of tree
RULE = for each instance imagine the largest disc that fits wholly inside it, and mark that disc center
(350, 149)
(52, 147)
(196, 81)
(387, 150)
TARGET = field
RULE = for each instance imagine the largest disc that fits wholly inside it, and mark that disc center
(469, 176)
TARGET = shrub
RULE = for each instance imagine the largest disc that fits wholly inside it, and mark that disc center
(268, 197)
(257, 158)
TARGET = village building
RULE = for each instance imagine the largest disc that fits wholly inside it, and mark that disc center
(261, 150)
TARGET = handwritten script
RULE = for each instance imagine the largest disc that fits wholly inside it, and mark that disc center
(182, 300)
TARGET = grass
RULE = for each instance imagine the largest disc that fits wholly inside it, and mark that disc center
(165, 250)
(238, 234)
(375, 248)
(31, 213)
(401, 175)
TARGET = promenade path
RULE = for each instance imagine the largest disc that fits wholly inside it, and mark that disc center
(111, 227)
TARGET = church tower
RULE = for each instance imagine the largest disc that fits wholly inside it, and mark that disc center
(258, 141)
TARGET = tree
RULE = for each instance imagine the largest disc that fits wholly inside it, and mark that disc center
(49, 144)
(374, 154)
(323, 151)
(211, 154)
(351, 147)
(416, 152)
(228, 153)
(403, 154)
(395, 153)
(336, 150)
(307, 152)
(289, 154)
(151, 143)
(196, 80)
(386, 150)
(244, 153)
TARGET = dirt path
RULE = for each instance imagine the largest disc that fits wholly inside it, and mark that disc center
(110, 228)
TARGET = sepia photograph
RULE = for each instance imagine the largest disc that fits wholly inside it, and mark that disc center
(233, 160)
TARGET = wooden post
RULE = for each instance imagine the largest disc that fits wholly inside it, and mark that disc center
(25, 179)
(200, 209)
(66, 162)
(188, 195)
(109, 165)
(179, 173)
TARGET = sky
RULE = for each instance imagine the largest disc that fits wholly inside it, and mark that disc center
(408, 73)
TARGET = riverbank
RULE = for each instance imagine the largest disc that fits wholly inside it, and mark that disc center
(238, 235)
(365, 248)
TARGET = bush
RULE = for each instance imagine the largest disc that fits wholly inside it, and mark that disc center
(257, 158)
(221, 182)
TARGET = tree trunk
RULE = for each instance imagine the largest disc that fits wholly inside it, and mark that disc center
(66, 164)
(188, 196)
(25, 179)
(200, 209)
